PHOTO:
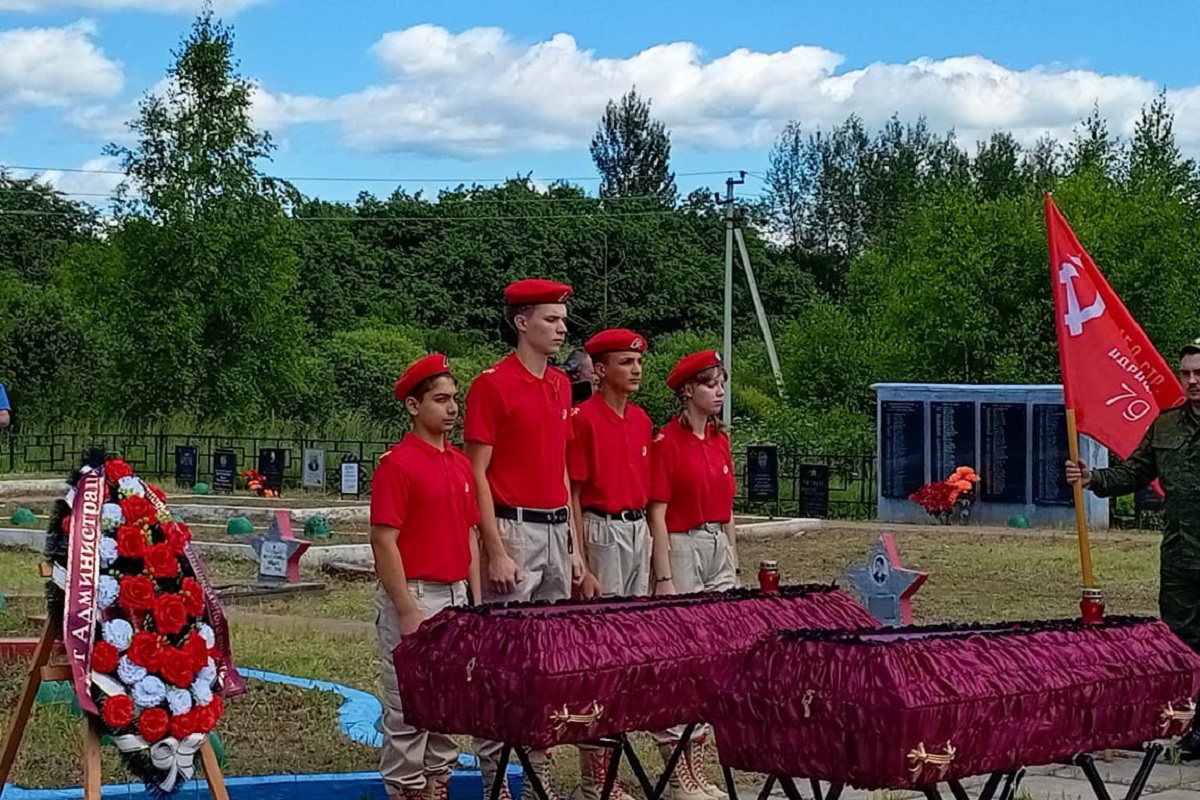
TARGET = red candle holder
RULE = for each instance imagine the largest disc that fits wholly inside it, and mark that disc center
(1091, 607)
(768, 576)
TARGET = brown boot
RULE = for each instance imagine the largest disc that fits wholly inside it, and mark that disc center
(682, 784)
(488, 770)
(410, 793)
(699, 757)
(593, 769)
(541, 762)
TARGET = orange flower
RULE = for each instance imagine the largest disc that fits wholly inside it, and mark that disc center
(963, 486)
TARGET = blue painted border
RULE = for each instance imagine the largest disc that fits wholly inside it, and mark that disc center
(356, 717)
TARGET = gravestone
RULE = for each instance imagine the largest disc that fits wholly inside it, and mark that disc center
(187, 465)
(349, 476)
(278, 551)
(271, 463)
(884, 586)
(224, 471)
(762, 473)
(814, 491)
(1013, 436)
(314, 469)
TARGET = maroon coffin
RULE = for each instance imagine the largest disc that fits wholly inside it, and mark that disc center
(539, 674)
(904, 708)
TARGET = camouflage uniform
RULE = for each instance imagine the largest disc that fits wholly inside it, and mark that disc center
(1169, 452)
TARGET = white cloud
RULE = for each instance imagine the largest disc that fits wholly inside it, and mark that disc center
(54, 66)
(480, 93)
(93, 178)
(221, 7)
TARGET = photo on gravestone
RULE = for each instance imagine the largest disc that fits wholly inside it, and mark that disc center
(814, 490)
(224, 470)
(271, 463)
(314, 469)
(1050, 452)
(762, 473)
(1004, 459)
(187, 465)
(951, 438)
(901, 448)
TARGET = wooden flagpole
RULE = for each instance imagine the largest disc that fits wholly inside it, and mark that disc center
(1085, 548)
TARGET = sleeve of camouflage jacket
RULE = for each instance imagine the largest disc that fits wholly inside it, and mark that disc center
(1136, 472)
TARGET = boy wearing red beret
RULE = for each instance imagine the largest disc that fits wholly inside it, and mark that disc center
(423, 518)
(517, 428)
(609, 464)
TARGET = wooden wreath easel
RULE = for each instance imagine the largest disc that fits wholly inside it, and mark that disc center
(42, 670)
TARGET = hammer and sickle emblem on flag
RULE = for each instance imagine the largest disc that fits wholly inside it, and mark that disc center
(1076, 316)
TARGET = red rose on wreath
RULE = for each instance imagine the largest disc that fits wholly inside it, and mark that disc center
(193, 597)
(117, 711)
(218, 708)
(138, 510)
(161, 561)
(178, 537)
(146, 650)
(117, 468)
(170, 615)
(131, 541)
(137, 593)
(205, 720)
(175, 666)
(104, 657)
(183, 725)
(153, 724)
(196, 650)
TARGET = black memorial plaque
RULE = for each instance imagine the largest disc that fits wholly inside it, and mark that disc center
(814, 490)
(187, 465)
(271, 463)
(762, 473)
(951, 438)
(224, 470)
(902, 448)
(1005, 452)
(1050, 452)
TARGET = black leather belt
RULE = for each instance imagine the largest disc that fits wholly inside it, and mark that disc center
(620, 516)
(556, 517)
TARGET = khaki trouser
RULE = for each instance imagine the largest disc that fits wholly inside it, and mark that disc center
(410, 756)
(701, 561)
(543, 556)
(618, 555)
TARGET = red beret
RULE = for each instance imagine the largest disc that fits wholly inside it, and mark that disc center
(691, 366)
(427, 367)
(533, 291)
(613, 340)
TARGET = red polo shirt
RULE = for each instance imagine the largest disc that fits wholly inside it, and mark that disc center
(693, 476)
(526, 420)
(429, 496)
(610, 455)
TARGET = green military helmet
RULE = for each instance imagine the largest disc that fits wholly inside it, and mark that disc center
(200, 488)
(317, 527)
(23, 516)
(239, 526)
(1018, 521)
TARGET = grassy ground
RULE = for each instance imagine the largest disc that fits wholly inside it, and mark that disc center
(975, 574)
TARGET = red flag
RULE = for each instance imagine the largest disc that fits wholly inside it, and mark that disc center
(1112, 375)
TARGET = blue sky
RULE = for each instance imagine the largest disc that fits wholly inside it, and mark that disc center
(484, 90)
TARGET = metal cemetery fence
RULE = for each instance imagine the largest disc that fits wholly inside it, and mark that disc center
(807, 484)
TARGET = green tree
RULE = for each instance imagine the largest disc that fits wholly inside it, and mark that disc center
(632, 152)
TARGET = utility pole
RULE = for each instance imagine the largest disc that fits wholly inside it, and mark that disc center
(727, 355)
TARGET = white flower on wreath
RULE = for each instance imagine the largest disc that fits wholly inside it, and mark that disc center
(149, 692)
(202, 692)
(180, 701)
(131, 486)
(208, 675)
(207, 634)
(111, 517)
(107, 590)
(108, 551)
(129, 672)
(118, 633)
